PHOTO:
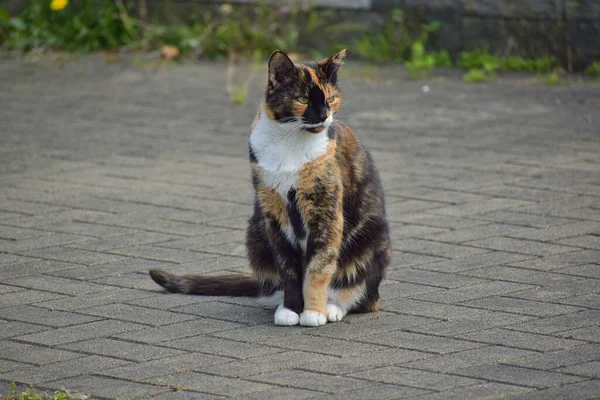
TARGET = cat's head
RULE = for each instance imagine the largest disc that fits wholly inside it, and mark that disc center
(304, 94)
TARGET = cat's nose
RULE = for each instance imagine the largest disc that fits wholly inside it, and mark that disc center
(322, 114)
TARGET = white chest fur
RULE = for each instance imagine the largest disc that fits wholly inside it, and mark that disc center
(281, 151)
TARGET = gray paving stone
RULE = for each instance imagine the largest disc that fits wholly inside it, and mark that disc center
(8, 365)
(487, 355)
(140, 315)
(166, 366)
(228, 312)
(80, 332)
(574, 391)
(488, 391)
(519, 376)
(179, 330)
(57, 285)
(44, 316)
(103, 387)
(22, 297)
(560, 323)
(169, 187)
(431, 278)
(111, 269)
(311, 381)
(559, 260)
(591, 369)
(221, 347)
(422, 379)
(520, 340)
(519, 275)
(63, 369)
(521, 306)
(75, 256)
(422, 342)
(556, 359)
(476, 291)
(119, 349)
(34, 354)
(520, 246)
(13, 328)
(109, 296)
(590, 333)
(477, 261)
(437, 249)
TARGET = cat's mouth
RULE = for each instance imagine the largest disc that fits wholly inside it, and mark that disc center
(320, 127)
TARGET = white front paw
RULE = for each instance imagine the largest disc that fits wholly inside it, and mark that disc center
(285, 316)
(312, 318)
(335, 313)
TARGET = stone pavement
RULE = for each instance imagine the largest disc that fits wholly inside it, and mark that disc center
(107, 170)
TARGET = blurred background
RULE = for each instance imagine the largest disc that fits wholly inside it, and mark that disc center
(483, 37)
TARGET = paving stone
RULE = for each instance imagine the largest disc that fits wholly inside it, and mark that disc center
(471, 292)
(560, 290)
(520, 246)
(311, 381)
(422, 342)
(560, 323)
(166, 366)
(8, 365)
(477, 261)
(44, 316)
(430, 278)
(519, 275)
(483, 213)
(22, 297)
(111, 269)
(422, 379)
(575, 391)
(479, 232)
(436, 249)
(104, 387)
(584, 241)
(34, 268)
(80, 332)
(57, 285)
(221, 347)
(559, 260)
(34, 354)
(179, 330)
(140, 315)
(265, 364)
(487, 355)
(75, 256)
(587, 270)
(591, 369)
(281, 393)
(112, 295)
(591, 333)
(521, 306)
(119, 349)
(63, 369)
(13, 328)
(520, 340)
(488, 391)
(228, 312)
(519, 376)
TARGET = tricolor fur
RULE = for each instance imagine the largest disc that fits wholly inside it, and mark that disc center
(318, 240)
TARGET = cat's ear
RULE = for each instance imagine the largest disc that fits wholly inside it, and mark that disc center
(331, 65)
(281, 69)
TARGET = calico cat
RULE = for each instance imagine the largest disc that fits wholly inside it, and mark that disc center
(318, 241)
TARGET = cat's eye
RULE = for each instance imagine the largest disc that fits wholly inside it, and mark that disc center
(332, 99)
(302, 100)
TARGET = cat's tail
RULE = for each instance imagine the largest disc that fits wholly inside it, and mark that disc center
(208, 285)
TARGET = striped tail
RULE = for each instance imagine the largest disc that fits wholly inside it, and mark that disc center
(207, 285)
